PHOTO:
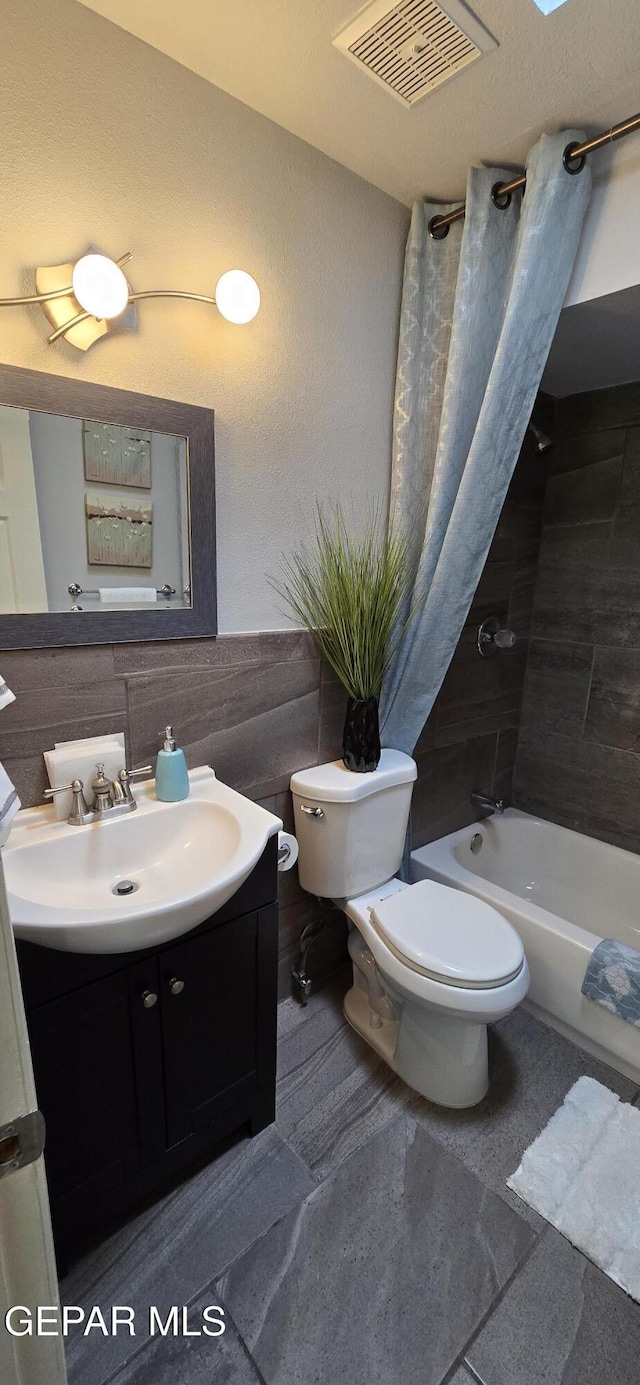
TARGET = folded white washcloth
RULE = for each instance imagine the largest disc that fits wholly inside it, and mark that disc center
(88, 742)
(9, 804)
(6, 695)
(109, 595)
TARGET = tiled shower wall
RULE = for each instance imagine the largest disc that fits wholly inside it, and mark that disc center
(578, 755)
(470, 739)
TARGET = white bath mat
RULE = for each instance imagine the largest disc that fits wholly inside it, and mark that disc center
(583, 1174)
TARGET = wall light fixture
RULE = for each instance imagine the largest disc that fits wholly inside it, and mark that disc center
(82, 298)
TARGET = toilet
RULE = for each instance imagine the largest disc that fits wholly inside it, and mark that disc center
(432, 965)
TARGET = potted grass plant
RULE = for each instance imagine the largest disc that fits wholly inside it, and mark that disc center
(351, 594)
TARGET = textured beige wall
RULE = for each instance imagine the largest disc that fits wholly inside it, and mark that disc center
(105, 140)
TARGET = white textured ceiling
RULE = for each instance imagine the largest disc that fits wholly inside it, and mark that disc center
(577, 66)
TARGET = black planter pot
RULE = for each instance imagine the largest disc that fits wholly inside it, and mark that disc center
(361, 735)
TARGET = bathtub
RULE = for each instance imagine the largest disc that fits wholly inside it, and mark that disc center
(563, 892)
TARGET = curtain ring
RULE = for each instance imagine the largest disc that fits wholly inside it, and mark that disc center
(436, 230)
(500, 199)
(568, 158)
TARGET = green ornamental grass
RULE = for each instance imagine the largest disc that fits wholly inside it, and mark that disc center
(351, 594)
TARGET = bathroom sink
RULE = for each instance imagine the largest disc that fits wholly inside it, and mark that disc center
(135, 882)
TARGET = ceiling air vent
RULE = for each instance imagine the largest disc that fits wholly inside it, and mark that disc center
(414, 45)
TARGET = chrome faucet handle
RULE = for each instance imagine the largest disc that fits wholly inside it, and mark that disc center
(80, 812)
(121, 786)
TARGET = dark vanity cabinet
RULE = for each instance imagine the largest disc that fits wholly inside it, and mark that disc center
(144, 1061)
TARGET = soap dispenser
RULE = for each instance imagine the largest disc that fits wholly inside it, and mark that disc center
(172, 779)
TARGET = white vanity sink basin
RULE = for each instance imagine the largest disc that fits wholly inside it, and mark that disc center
(184, 859)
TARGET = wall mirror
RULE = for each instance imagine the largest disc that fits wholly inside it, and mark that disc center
(107, 514)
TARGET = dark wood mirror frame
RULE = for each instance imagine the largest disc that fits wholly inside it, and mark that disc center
(30, 389)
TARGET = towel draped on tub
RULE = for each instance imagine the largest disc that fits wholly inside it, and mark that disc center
(612, 979)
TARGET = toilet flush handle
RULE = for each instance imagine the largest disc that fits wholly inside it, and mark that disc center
(312, 812)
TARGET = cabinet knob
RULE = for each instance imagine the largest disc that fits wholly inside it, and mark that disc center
(149, 999)
(176, 986)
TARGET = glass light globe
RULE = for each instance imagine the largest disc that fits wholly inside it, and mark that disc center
(100, 286)
(237, 296)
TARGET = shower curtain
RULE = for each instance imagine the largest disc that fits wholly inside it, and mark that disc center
(479, 311)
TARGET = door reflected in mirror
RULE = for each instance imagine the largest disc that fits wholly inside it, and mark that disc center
(93, 516)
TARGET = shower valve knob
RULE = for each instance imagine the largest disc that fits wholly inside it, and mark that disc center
(492, 638)
(505, 639)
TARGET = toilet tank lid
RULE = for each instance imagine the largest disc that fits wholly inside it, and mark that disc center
(334, 783)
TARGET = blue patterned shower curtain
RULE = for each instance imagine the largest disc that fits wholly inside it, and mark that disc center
(479, 311)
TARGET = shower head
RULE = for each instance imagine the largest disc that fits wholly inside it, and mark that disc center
(543, 443)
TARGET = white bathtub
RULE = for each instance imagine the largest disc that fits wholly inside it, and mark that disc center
(563, 892)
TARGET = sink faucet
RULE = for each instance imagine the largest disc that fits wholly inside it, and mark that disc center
(111, 797)
(488, 803)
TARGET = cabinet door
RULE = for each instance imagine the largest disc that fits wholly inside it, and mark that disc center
(95, 1081)
(208, 992)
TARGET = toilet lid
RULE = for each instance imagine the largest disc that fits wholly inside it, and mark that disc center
(449, 935)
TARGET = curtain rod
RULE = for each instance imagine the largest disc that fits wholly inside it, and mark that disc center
(573, 159)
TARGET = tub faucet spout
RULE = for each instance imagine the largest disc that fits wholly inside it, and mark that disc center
(487, 803)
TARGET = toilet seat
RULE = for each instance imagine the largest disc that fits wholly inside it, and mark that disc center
(449, 936)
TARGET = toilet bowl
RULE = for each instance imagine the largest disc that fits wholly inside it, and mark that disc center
(446, 969)
(432, 965)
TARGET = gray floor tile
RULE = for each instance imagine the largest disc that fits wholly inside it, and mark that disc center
(561, 1322)
(531, 1070)
(462, 1377)
(383, 1272)
(334, 1092)
(191, 1360)
(172, 1251)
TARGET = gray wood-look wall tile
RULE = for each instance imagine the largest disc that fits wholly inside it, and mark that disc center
(478, 695)
(333, 706)
(587, 586)
(21, 742)
(586, 495)
(557, 686)
(627, 525)
(580, 784)
(37, 669)
(583, 449)
(28, 774)
(577, 753)
(254, 724)
(505, 762)
(447, 777)
(613, 717)
(617, 407)
(158, 656)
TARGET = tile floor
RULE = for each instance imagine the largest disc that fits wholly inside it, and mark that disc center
(368, 1237)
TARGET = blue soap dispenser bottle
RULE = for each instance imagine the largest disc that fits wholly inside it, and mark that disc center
(172, 779)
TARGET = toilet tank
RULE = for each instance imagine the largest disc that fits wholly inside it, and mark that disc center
(352, 838)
